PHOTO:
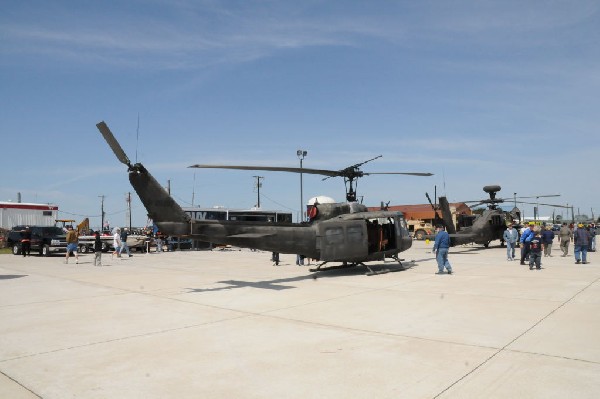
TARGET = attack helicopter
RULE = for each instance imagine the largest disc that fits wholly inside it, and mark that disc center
(484, 228)
(343, 232)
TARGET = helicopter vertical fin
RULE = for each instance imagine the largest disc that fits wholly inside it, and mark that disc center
(447, 215)
(161, 207)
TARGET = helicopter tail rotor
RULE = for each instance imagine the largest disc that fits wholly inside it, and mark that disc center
(113, 143)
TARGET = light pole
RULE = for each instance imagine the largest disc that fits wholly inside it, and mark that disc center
(258, 185)
(301, 154)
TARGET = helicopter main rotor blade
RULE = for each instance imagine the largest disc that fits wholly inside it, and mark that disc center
(542, 196)
(113, 143)
(539, 203)
(399, 173)
(362, 163)
(475, 205)
(536, 196)
(325, 172)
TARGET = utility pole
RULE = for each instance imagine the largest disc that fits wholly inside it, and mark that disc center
(258, 186)
(128, 200)
(102, 212)
(301, 154)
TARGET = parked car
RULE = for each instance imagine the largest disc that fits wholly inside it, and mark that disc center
(556, 227)
(45, 240)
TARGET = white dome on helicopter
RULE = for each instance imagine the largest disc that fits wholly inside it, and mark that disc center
(321, 199)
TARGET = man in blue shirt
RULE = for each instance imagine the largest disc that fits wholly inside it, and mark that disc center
(441, 247)
(525, 241)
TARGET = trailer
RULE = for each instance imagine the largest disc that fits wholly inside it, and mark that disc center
(26, 214)
(86, 243)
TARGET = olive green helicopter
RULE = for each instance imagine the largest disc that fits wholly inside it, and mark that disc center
(345, 233)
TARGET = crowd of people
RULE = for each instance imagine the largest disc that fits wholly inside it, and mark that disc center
(535, 239)
(119, 243)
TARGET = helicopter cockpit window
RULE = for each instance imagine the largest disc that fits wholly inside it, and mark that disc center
(334, 235)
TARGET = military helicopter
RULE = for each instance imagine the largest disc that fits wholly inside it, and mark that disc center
(343, 233)
(484, 228)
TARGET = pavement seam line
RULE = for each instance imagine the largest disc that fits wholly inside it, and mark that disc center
(18, 383)
(516, 338)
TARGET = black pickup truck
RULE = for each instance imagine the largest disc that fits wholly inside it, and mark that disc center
(45, 240)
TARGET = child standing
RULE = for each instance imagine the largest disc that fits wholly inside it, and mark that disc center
(535, 249)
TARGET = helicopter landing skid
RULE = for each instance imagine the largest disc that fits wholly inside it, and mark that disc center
(346, 265)
(402, 267)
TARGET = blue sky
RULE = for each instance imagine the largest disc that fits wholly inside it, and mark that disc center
(477, 92)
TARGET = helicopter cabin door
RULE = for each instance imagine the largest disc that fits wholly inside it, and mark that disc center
(343, 240)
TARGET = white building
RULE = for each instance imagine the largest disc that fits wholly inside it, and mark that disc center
(20, 213)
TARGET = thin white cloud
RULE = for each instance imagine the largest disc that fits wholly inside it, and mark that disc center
(165, 35)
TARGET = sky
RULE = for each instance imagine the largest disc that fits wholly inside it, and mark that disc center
(476, 92)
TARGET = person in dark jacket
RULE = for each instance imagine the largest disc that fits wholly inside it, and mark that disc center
(441, 247)
(97, 249)
(535, 249)
(547, 238)
(582, 239)
(26, 242)
(124, 246)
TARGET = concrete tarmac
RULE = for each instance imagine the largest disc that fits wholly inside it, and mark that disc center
(228, 324)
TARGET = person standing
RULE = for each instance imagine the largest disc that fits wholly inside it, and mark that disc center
(116, 242)
(565, 235)
(275, 258)
(592, 230)
(72, 241)
(124, 246)
(441, 247)
(510, 237)
(159, 242)
(26, 242)
(547, 238)
(97, 249)
(525, 241)
(535, 249)
(582, 240)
